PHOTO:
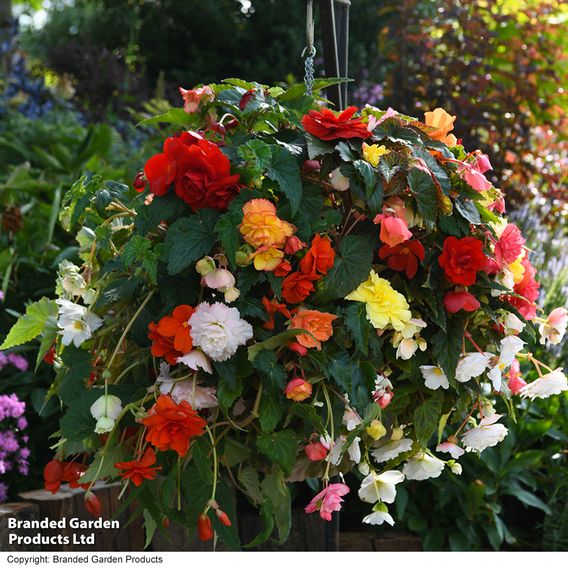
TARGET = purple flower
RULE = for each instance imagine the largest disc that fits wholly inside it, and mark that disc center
(18, 361)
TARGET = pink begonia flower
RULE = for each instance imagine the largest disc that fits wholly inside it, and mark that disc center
(219, 279)
(554, 328)
(475, 179)
(192, 98)
(328, 500)
(460, 300)
(515, 381)
(453, 449)
(482, 163)
(510, 245)
(293, 245)
(394, 227)
(388, 114)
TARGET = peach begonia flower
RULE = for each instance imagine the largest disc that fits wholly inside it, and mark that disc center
(261, 225)
(318, 324)
(443, 123)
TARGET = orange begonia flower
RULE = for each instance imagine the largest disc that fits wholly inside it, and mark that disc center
(171, 426)
(171, 335)
(442, 122)
(261, 225)
(139, 470)
(319, 259)
(319, 324)
(296, 287)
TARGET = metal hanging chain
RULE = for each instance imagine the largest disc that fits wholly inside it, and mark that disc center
(310, 50)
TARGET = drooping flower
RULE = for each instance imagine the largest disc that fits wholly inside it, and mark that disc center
(194, 98)
(139, 470)
(376, 429)
(394, 226)
(93, 504)
(273, 307)
(472, 365)
(379, 516)
(318, 324)
(512, 325)
(442, 123)
(57, 472)
(196, 360)
(105, 410)
(462, 259)
(171, 426)
(391, 449)
(171, 337)
(384, 305)
(460, 300)
(434, 377)
(296, 287)
(267, 258)
(76, 323)
(423, 466)
(408, 340)
(351, 419)
(218, 330)
(327, 125)
(293, 245)
(328, 500)
(404, 257)
(319, 258)
(380, 487)
(298, 389)
(510, 346)
(372, 153)
(510, 245)
(261, 226)
(338, 181)
(486, 435)
(552, 383)
(382, 393)
(515, 382)
(219, 279)
(451, 448)
(189, 391)
(553, 328)
(204, 528)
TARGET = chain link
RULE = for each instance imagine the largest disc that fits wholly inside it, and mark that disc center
(309, 70)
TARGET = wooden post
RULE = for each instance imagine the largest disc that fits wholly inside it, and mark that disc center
(20, 512)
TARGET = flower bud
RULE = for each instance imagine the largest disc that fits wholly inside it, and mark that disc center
(105, 411)
(456, 468)
(139, 182)
(293, 245)
(93, 504)
(243, 258)
(397, 434)
(376, 430)
(298, 389)
(316, 451)
(310, 166)
(205, 265)
(299, 349)
(204, 528)
(231, 294)
(223, 518)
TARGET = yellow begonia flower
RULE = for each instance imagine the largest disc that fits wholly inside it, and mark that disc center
(517, 269)
(267, 258)
(385, 306)
(262, 227)
(372, 153)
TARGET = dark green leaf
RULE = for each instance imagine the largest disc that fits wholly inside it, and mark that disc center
(426, 417)
(284, 170)
(280, 447)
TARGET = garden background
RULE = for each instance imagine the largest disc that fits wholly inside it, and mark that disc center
(78, 75)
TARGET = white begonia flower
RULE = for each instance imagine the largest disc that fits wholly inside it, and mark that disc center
(434, 377)
(379, 517)
(472, 365)
(552, 383)
(513, 324)
(70, 279)
(354, 450)
(510, 346)
(453, 449)
(380, 487)
(218, 330)
(506, 278)
(423, 466)
(197, 396)
(406, 342)
(553, 328)
(105, 410)
(196, 360)
(351, 419)
(363, 468)
(336, 453)
(219, 279)
(486, 435)
(391, 449)
(76, 323)
(338, 181)
(231, 295)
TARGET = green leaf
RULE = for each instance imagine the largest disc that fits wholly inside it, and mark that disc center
(267, 517)
(427, 416)
(235, 453)
(248, 478)
(351, 267)
(446, 346)
(317, 147)
(77, 365)
(424, 190)
(358, 325)
(284, 170)
(279, 447)
(270, 413)
(527, 498)
(275, 488)
(103, 464)
(227, 371)
(150, 526)
(172, 116)
(468, 210)
(367, 173)
(273, 342)
(30, 325)
(139, 250)
(267, 363)
(190, 238)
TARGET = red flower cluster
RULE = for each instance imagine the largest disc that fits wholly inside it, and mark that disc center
(57, 472)
(404, 257)
(296, 287)
(462, 259)
(201, 173)
(326, 125)
(171, 335)
(139, 470)
(171, 426)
